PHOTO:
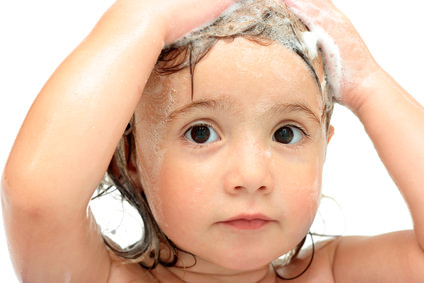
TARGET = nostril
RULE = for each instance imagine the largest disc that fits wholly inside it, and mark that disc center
(262, 188)
(238, 188)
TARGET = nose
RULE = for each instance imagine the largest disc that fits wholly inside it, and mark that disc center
(248, 169)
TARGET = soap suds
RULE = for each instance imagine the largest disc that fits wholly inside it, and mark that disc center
(310, 40)
(271, 21)
(332, 59)
(331, 53)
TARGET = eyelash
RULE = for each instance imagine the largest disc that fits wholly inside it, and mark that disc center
(294, 131)
(202, 145)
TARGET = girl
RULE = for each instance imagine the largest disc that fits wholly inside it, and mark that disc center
(231, 165)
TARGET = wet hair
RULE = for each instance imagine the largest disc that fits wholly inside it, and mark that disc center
(262, 21)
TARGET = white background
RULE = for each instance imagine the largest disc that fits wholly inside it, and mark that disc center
(37, 35)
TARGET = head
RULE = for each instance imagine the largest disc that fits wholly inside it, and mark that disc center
(232, 124)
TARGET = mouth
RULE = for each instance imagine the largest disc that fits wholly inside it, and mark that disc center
(247, 221)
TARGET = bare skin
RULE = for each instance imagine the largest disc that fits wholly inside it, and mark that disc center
(240, 168)
(52, 237)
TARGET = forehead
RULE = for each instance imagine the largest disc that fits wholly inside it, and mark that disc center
(244, 72)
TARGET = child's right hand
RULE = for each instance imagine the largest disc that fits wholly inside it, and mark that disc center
(178, 17)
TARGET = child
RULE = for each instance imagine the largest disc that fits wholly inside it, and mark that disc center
(231, 164)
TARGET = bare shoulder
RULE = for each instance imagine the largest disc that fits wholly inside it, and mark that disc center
(133, 273)
(392, 257)
(128, 273)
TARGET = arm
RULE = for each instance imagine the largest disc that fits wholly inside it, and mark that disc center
(395, 122)
(70, 134)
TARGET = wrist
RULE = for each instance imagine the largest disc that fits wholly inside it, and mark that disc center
(361, 95)
(129, 22)
(378, 93)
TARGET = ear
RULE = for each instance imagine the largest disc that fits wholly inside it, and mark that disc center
(127, 153)
(330, 133)
(133, 170)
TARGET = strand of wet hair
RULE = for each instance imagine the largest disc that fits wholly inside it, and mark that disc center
(307, 266)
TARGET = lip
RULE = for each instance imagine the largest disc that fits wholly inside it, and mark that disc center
(247, 221)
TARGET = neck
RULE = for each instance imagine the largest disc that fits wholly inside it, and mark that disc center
(196, 274)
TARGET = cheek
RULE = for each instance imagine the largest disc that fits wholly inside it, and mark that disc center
(181, 195)
(305, 197)
(300, 183)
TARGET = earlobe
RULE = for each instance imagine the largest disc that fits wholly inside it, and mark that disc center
(124, 162)
(133, 170)
(330, 133)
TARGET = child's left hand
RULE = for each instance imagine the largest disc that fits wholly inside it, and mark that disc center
(358, 63)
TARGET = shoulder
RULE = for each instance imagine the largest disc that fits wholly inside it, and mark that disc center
(121, 272)
(392, 257)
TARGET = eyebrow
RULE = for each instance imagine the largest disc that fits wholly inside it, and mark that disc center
(224, 105)
(295, 107)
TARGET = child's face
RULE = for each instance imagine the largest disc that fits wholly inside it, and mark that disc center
(251, 144)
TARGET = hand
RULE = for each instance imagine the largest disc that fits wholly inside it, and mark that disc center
(177, 17)
(358, 65)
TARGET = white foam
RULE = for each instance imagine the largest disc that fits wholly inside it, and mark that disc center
(332, 59)
(310, 41)
(331, 53)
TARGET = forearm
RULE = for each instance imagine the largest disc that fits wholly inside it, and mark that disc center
(71, 131)
(395, 123)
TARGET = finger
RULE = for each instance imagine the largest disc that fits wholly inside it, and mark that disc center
(194, 14)
(221, 6)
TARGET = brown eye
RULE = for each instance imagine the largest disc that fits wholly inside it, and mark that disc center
(201, 134)
(287, 135)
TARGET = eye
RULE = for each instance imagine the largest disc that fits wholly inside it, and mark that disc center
(288, 135)
(201, 133)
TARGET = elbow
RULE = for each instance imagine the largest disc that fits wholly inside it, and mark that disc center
(18, 196)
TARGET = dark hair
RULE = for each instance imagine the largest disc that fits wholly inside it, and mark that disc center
(264, 22)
